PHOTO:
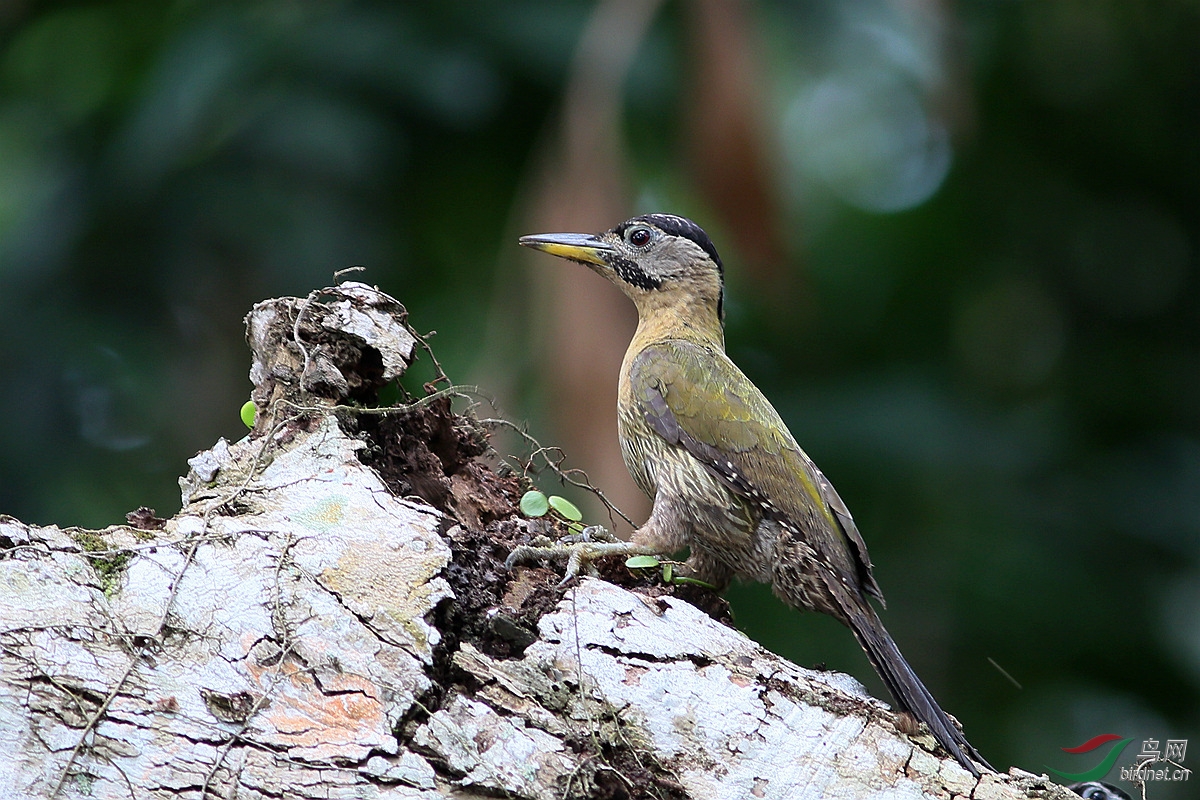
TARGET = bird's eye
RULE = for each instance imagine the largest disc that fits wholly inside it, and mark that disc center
(640, 237)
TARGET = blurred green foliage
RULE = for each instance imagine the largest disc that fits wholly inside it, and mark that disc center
(991, 347)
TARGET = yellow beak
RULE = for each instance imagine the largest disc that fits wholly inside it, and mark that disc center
(581, 247)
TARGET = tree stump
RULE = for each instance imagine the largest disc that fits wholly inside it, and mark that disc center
(329, 615)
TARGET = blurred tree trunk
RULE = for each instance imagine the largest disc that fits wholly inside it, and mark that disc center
(731, 154)
(583, 188)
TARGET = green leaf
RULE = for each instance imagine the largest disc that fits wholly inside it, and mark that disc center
(680, 580)
(668, 571)
(641, 562)
(534, 504)
(249, 413)
(566, 508)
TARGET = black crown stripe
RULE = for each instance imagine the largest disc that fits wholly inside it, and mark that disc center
(678, 226)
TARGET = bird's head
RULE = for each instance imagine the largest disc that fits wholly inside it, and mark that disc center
(661, 261)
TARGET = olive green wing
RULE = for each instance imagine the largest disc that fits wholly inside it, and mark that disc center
(695, 397)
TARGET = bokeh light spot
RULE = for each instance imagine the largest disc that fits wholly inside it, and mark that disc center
(865, 135)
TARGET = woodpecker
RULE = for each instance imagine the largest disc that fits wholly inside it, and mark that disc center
(726, 477)
(1098, 790)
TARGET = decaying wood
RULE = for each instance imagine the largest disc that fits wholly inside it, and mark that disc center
(328, 616)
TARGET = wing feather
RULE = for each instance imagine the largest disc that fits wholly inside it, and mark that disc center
(726, 423)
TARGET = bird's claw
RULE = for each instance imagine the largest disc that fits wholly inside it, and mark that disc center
(592, 533)
(579, 551)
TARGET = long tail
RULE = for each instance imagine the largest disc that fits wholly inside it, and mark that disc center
(910, 694)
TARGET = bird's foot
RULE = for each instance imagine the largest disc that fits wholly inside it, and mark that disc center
(579, 550)
(592, 533)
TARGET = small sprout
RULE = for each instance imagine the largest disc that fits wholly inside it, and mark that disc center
(668, 571)
(642, 562)
(565, 508)
(681, 580)
(249, 413)
(534, 504)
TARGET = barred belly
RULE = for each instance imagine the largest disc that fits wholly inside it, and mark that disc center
(722, 531)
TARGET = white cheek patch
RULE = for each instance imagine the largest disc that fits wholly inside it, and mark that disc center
(674, 257)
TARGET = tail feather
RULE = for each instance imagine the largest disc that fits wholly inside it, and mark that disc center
(910, 694)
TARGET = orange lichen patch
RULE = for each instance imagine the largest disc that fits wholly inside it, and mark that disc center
(339, 717)
(633, 675)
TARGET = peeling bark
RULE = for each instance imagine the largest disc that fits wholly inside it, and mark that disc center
(329, 616)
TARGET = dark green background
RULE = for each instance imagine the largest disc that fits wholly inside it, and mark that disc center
(1002, 380)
